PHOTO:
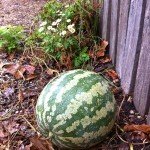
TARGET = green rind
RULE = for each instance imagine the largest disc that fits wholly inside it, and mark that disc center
(74, 107)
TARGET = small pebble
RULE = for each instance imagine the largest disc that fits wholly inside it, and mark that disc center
(17, 112)
(139, 117)
(131, 112)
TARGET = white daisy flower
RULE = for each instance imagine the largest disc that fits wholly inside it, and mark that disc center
(41, 29)
(54, 23)
(58, 20)
(49, 27)
(71, 28)
(66, 6)
(53, 29)
(68, 20)
(57, 11)
(43, 23)
(63, 33)
(62, 14)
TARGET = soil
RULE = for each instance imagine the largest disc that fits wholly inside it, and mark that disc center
(19, 12)
(18, 94)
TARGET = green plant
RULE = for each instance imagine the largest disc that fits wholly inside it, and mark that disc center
(76, 110)
(68, 29)
(11, 37)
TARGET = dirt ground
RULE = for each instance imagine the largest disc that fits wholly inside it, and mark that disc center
(19, 12)
(18, 94)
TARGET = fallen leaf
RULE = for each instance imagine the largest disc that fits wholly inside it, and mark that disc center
(12, 127)
(51, 71)
(91, 53)
(19, 73)
(3, 134)
(30, 77)
(100, 54)
(111, 73)
(28, 147)
(66, 60)
(99, 50)
(29, 68)
(106, 60)
(3, 147)
(103, 45)
(40, 144)
(144, 128)
(11, 68)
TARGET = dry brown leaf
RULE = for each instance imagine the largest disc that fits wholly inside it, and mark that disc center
(103, 45)
(106, 60)
(11, 68)
(144, 128)
(40, 144)
(29, 68)
(91, 53)
(28, 147)
(51, 71)
(99, 50)
(66, 60)
(30, 77)
(100, 54)
(12, 127)
(19, 73)
(111, 73)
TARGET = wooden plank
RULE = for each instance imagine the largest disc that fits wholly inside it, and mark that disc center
(101, 18)
(113, 29)
(148, 117)
(132, 46)
(142, 85)
(121, 39)
(105, 19)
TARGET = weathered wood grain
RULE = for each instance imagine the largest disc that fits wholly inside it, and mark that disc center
(121, 39)
(133, 45)
(101, 18)
(105, 20)
(113, 29)
(129, 39)
(142, 85)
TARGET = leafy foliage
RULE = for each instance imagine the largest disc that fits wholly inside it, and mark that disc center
(68, 29)
(11, 37)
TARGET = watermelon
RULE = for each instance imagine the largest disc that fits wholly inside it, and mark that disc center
(76, 110)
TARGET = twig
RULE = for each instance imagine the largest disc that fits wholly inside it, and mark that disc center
(127, 141)
(29, 124)
(120, 106)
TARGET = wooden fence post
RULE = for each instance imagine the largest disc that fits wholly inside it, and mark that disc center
(114, 29)
(122, 29)
(132, 45)
(106, 20)
(142, 85)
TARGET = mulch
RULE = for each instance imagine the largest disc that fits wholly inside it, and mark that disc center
(19, 92)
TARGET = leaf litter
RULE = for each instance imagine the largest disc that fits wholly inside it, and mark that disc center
(19, 129)
(21, 82)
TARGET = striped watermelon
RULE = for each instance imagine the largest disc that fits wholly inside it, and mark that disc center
(76, 110)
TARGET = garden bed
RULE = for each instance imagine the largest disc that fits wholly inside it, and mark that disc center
(22, 77)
